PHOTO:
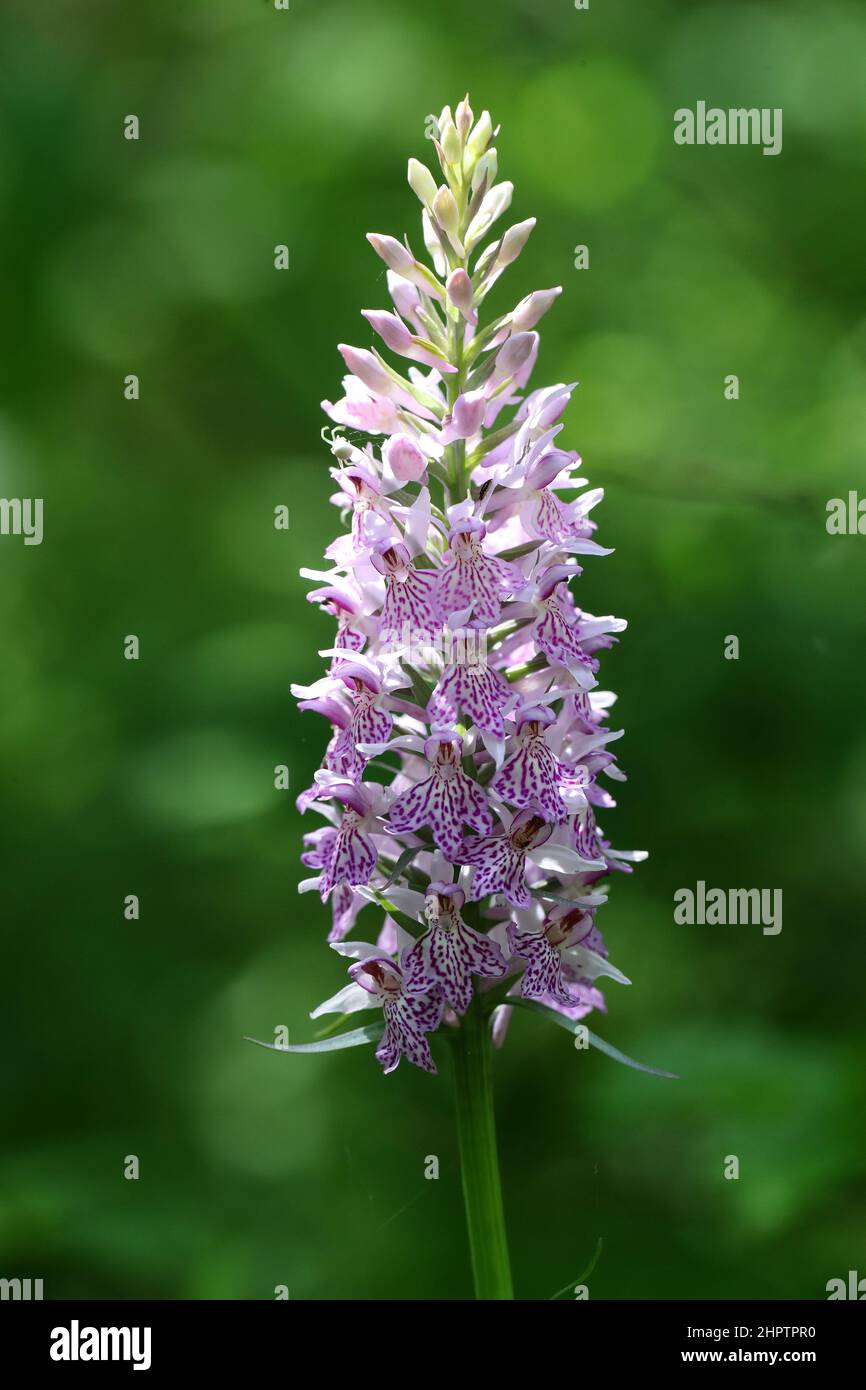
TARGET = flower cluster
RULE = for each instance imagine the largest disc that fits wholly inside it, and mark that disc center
(469, 750)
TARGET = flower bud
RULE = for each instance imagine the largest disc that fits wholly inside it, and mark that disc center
(479, 138)
(532, 308)
(404, 458)
(514, 241)
(468, 413)
(493, 205)
(513, 355)
(391, 329)
(445, 211)
(395, 335)
(450, 144)
(393, 253)
(404, 294)
(421, 181)
(364, 366)
(458, 288)
(486, 167)
(433, 243)
(463, 118)
(399, 258)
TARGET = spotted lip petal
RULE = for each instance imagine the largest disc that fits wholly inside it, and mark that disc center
(500, 860)
(543, 976)
(450, 953)
(410, 1013)
(445, 803)
(481, 693)
(532, 776)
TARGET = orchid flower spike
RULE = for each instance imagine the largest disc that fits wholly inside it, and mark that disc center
(467, 757)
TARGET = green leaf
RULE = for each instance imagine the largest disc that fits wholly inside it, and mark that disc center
(610, 1051)
(372, 1032)
(402, 863)
(492, 440)
(581, 1278)
(516, 552)
(572, 1026)
(432, 403)
(336, 1022)
(547, 893)
(421, 689)
(430, 347)
(480, 374)
(516, 673)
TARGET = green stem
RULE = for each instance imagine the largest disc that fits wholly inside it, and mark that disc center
(479, 1160)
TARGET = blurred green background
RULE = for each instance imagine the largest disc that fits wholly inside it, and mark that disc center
(155, 777)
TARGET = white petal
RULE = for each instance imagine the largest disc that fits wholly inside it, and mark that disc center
(558, 859)
(575, 546)
(441, 871)
(355, 950)
(495, 747)
(347, 1000)
(529, 918)
(403, 940)
(499, 934)
(592, 965)
(418, 521)
(326, 685)
(574, 799)
(406, 899)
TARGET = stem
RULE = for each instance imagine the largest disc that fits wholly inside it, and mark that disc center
(479, 1160)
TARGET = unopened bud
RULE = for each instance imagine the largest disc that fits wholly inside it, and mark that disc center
(451, 147)
(405, 459)
(532, 308)
(479, 138)
(513, 355)
(399, 258)
(514, 241)
(404, 295)
(458, 287)
(445, 210)
(487, 166)
(391, 329)
(365, 367)
(393, 253)
(493, 205)
(421, 181)
(463, 118)
(468, 414)
(433, 243)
